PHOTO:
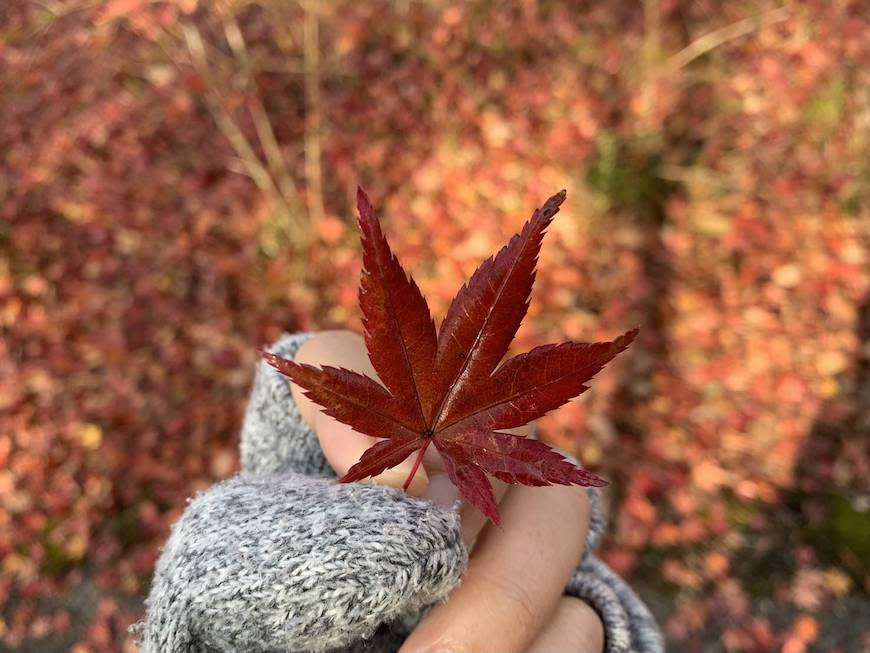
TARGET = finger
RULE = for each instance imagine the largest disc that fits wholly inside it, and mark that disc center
(473, 520)
(574, 628)
(340, 348)
(341, 445)
(515, 577)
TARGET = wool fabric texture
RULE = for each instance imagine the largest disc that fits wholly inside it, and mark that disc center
(282, 559)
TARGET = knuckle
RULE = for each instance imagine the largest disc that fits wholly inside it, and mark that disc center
(583, 630)
(340, 348)
(514, 600)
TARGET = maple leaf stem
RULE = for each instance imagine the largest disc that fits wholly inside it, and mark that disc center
(416, 464)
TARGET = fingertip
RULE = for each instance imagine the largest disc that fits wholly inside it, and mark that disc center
(341, 445)
(343, 448)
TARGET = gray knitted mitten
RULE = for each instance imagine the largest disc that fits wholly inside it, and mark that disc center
(281, 559)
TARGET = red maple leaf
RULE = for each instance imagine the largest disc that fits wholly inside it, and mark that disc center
(448, 390)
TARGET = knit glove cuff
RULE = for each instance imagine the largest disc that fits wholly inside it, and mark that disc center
(290, 563)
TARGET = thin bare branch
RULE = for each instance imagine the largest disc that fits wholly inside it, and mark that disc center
(284, 197)
(716, 38)
(265, 132)
(231, 131)
(313, 122)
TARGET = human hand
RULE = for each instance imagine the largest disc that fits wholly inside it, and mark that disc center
(512, 594)
(281, 557)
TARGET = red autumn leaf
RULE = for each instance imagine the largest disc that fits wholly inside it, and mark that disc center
(448, 390)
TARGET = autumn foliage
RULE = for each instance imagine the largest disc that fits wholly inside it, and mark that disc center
(178, 182)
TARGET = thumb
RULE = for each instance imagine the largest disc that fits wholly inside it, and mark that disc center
(343, 447)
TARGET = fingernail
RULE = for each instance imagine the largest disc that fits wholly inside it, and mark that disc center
(441, 491)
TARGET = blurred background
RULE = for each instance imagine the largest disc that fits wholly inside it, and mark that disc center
(177, 184)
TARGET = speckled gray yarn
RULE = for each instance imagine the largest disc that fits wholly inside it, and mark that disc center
(281, 559)
(644, 634)
(287, 563)
(597, 521)
(274, 437)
